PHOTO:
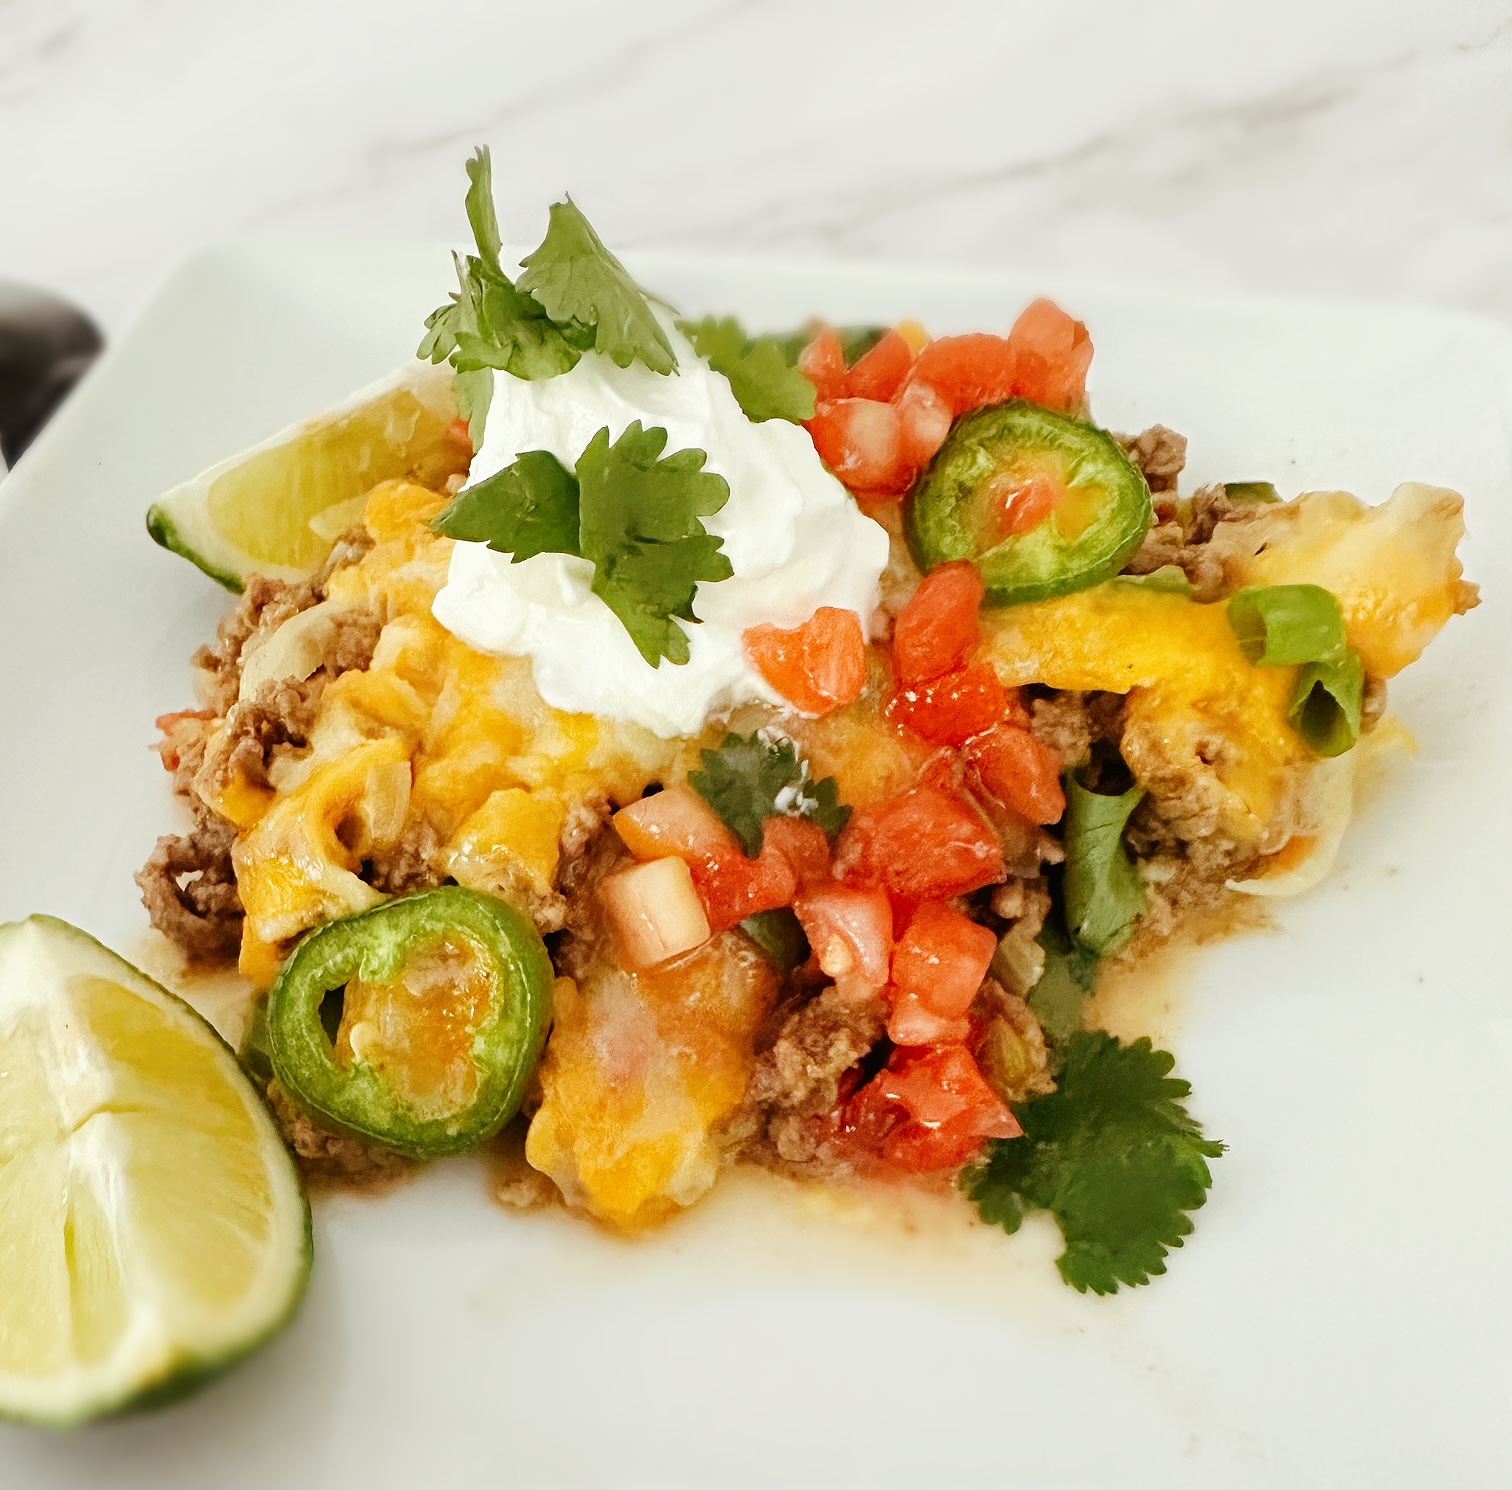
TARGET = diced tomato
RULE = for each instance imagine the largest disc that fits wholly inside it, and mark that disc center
(733, 887)
(925, 844)
(937, 1086)
(860, 440)
(880, 372)
(816, 667)
(950, 709)
(459, 433)
(1016, 506)
(1052, 353)
(940, 624)
(804, 843)
(675, 823)
(868, 1117)
(850, 930)
(822, 362)
(911, 1021)
(1022, 772)
(943, 957)
(947, 1110)
(917, 1148)
(924, 418)
(967, 371)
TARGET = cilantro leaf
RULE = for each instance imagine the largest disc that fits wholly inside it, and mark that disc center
(639, 524)
(1069, 978)
(511, 333)
(480, 208)
(763, 383)
(752, 777)
(528, 508)
(820, 801)
(490, 325)
(578, 280)
(1112, 1154)
(779, 935)
(474, 392)
(1104, 894)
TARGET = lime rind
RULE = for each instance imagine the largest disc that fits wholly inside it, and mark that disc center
(181, 520)
(173, 1340)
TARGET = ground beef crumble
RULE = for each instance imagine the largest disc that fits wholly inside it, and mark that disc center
(1183, 537)
(1160, 453)
(324, 1154)
(188, 884)
(189, 889)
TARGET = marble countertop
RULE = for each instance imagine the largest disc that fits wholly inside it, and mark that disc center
(1331, 147)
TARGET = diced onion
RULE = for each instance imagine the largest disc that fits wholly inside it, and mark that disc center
(655, 912)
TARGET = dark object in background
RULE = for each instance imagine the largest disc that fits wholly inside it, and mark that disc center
(46, 345)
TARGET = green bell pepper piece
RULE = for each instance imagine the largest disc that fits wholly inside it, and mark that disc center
(466, 979)
(954, 509)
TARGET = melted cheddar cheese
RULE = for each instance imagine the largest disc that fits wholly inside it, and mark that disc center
(641, 1071)
(1201, 722)
(434, 744)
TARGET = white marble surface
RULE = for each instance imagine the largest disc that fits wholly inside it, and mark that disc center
(1319, 146)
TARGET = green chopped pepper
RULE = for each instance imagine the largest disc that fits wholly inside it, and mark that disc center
(415, 1024)
(1041, 504)
(1303, 625)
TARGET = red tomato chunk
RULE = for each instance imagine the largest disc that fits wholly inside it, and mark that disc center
(860, 440)
(929, 1110)
(924, 418)
(1020, 771)
(822, 362)
(940, 625)
(1051, 353)
(850, 930)
(925, 844)
(948, 710)
(943, 957)
(968, 371)
(802, 843)
(880, 373)
(816, 667)
(733, 887)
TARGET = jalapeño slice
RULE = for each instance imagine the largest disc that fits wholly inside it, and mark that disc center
(415, 1024)
(1041, 504)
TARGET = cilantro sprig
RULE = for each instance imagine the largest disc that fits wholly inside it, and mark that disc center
(580, 282)
(1112, 1154)
(750, 778)
(633, 513)
(1104, 895)
(639, 523)
(528, 508)
(765, 385)
(576, 296)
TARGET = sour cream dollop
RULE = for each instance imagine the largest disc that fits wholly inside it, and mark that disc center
(794, 537)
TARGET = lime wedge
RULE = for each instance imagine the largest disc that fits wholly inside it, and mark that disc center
(152, 1225)
(260, 512)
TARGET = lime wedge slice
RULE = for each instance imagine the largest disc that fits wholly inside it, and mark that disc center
(153, 1229)
(260, 512)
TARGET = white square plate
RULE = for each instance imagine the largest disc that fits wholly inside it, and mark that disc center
(1343, 1314)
